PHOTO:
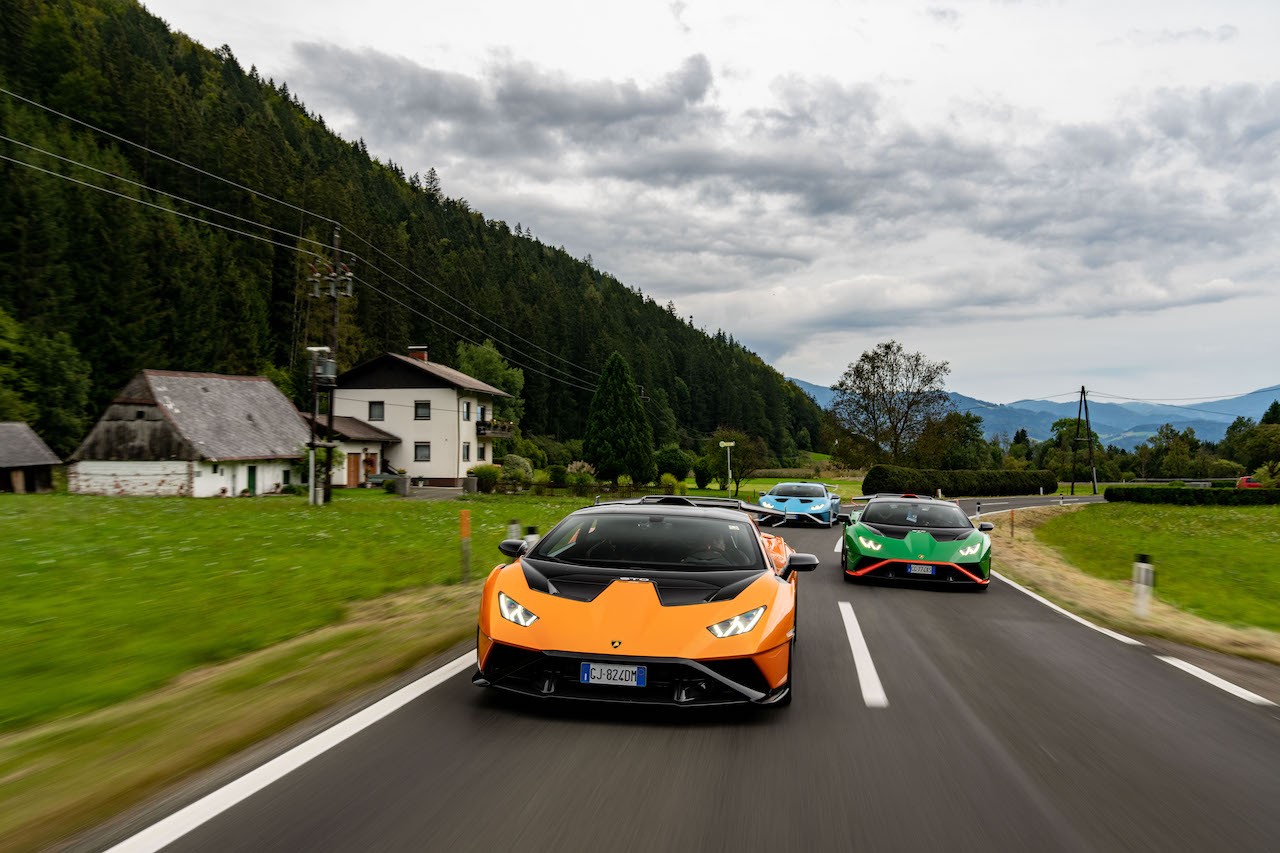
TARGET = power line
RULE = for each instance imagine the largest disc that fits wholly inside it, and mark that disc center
(291, 206)
(264, 239)
(143, 186)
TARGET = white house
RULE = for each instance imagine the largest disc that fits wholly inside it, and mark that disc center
(364, 446)
(194, 434)
(443, 417)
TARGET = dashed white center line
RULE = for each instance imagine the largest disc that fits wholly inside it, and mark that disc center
(872, 691)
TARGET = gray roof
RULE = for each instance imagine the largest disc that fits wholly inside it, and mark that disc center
(456, 378)
(227, 417)
(20, 447)
(352, 429)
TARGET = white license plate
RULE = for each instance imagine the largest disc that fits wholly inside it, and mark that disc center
(919, 570)
(609, 673)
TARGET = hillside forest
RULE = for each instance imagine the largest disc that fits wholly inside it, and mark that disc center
(163, 207)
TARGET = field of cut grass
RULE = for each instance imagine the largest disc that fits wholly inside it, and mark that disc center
(107, 598)
(1220, 563)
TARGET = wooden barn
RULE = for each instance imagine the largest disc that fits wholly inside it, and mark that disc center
(26, 462)
(192, 434)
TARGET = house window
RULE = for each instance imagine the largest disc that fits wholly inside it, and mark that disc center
(466, 410)
(422, 410)
(480, 451)
(480, 417)
(215, 467)
(377, 410)
(422, 451)
(139, 415)
(285, 477)
(466, 451)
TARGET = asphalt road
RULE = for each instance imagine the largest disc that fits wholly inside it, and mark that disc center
(1001, 725)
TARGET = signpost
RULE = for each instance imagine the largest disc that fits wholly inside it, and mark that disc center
(728, 462)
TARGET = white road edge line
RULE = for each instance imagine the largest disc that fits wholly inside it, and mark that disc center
(1067, 613)
(181, 822)
(872, 691)
(1220, 683)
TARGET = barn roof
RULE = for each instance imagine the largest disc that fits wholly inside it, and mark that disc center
(20, 447)
(223, 417)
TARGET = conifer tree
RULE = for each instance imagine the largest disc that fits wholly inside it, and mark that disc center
(619, 440)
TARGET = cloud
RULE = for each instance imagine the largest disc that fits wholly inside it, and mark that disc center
(1199, 35)
(820, 207)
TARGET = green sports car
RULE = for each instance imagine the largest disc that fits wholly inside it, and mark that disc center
(916, 538)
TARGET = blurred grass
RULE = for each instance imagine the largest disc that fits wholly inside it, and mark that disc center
(1219, 563)
(109, 597)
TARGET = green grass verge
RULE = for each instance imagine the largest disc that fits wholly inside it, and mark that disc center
(107, 597)
(1220, 563)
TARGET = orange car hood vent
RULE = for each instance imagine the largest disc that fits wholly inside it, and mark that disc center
(674, 588)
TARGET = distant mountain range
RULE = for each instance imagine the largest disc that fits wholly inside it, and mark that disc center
(1123, 424)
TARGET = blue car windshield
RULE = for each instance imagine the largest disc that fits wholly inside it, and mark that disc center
(798, 490)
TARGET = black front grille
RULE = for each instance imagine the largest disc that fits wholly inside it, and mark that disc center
(669, 682)
(895, 570)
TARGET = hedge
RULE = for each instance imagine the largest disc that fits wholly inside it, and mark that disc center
(1192, 497)
(895, 480)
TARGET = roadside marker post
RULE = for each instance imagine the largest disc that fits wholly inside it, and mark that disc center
(1144, 579)
(513, 528)
(464, 526)
(531, 536)
(1010, 524)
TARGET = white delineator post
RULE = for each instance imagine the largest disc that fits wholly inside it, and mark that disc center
(1144, 578)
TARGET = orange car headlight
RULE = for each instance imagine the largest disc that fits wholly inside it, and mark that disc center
(740, 624)
(513, 612)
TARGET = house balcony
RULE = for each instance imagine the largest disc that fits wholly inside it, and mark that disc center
(495, 429)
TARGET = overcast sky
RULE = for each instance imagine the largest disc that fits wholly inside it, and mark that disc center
(1046, 194)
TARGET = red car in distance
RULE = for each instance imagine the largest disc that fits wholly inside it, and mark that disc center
(1248, 483)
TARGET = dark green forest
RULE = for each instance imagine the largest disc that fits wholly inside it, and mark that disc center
(170, 216)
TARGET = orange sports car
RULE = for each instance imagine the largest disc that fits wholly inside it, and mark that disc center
(663, 599)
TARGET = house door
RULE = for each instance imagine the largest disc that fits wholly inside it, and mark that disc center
(253, 479)
(353, 469)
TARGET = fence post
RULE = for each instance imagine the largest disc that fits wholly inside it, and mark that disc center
(1144, 579)
(464, 525)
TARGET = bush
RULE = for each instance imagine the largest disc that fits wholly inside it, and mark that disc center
(541, 482)
(703, 471)
(985, 483)
(486, 476)
(557, 474)
(670, 459)
(1192, 497)
(668, 482)
(516, 469)
(580, 473)
(292, 489)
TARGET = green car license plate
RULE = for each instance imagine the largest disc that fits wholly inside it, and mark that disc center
(607, 673)
(915, 569)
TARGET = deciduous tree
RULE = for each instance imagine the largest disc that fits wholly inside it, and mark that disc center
(888, 395)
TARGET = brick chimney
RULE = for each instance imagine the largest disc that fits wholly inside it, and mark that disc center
(420, 353)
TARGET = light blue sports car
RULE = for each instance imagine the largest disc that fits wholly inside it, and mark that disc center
(810, 502)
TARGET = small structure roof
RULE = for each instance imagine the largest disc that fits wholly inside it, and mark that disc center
(20, 447)
(352, 429)
(439, 373)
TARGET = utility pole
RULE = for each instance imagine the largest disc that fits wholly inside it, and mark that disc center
(1083, 407)
(335, 272)
(322, 373)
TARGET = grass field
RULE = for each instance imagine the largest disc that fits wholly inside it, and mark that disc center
(107, 598)
(1220, 563)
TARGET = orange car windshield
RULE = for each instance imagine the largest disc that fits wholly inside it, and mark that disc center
(672, 542)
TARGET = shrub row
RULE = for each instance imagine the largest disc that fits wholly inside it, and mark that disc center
(1192, 497)
(890, 478)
